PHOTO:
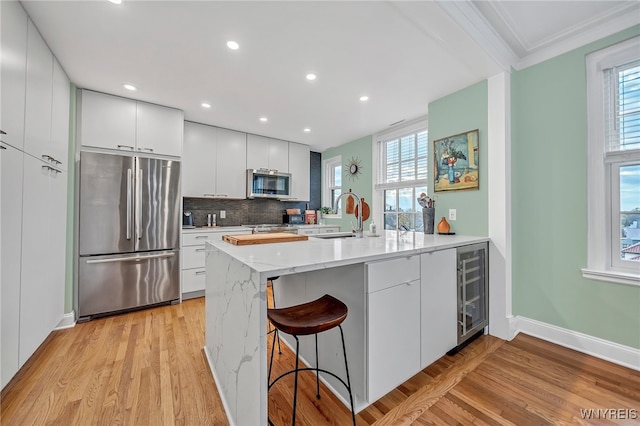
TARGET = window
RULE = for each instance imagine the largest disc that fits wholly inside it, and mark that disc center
(333, 182)
(613, 77)
(402, 178)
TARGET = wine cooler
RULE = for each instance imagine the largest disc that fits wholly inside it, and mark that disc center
(473, 298)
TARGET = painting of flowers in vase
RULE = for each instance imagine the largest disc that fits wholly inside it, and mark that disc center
(456, 162)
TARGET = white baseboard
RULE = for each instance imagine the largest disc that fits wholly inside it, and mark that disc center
(225, 405)
(68, 321)
(600, 348)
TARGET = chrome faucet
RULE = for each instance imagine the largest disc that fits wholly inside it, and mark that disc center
(359, 230)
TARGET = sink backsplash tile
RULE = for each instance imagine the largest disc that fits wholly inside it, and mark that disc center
(239, 212)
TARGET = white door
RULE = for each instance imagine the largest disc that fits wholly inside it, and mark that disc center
(231, 164)
(13, 72)
(60, 117)
(279, 155)
(107, 121)
(159, 129)
(37, 121)
(257, 152)
(10, 250)
(199, 160)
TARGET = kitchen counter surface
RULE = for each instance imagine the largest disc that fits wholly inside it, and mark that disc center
(318, 253)
(236, 303)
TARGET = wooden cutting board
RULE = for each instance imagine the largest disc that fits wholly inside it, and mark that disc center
(274, 237)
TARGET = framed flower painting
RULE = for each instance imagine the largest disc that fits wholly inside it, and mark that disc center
(456, 162)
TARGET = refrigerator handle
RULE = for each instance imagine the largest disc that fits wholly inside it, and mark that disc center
(139, 205)
(129, 201)
(131, 259)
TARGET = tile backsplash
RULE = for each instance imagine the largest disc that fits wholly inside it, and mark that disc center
(239, 212)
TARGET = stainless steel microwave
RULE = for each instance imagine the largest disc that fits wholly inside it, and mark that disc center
(266, 183)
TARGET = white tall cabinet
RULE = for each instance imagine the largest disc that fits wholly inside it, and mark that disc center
(300, 168)
(33, 155)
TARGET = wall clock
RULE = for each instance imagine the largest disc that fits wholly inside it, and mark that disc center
(353, 168)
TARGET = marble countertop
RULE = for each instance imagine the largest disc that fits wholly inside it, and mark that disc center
(316, 253)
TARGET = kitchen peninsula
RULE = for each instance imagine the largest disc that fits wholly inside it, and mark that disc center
(400, 288)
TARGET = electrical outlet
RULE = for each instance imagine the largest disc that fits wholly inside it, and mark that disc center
(223, 214)
(452, 214)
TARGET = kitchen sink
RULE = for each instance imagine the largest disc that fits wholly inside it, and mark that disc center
(333, 235)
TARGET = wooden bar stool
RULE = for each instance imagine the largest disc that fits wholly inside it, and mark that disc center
(309, 318)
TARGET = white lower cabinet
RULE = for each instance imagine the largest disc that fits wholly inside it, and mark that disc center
(437, 305)
(193, 258)
(318, 230)
(10, 249)
(43, 264)
(393, 324)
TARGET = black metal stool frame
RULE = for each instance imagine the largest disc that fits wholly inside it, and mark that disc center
(317, 369)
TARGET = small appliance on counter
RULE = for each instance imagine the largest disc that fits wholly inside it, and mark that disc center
(293, 219)
(187, 219)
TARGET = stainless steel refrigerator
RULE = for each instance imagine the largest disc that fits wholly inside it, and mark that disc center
(129, 233)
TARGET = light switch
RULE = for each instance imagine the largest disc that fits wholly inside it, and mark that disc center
(452, 214)
(223, 214)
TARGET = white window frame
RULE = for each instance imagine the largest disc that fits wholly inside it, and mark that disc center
(329, 165)
(414, 126)
(602, 178)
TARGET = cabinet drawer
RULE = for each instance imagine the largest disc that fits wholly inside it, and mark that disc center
(389, 273)
(193, 280)
(328, 230)
(303, 231)
(197, 239)
(193, 257)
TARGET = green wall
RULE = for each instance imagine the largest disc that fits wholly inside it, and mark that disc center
(549, 204)
(360, 149)
(457, 113)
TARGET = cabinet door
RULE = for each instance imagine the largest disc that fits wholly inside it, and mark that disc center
(198, 160)
(37, 121)
(393, 337)
(60, 117)
(299, 167)
(159, 129)
(231, 164)
(11, 243)
(41, 292)
(437, 305)
(279, 155)
(107, 121)
(257, 152)
(13, 63)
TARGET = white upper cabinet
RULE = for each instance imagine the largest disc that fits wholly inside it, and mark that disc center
(112, 122)
(231, 164)
(299, 167)
(198, 160)
(159, 129)
(37, 139)
(213, 162)
(60, 116)
(106, 121)
(267, 153)
(13, 63)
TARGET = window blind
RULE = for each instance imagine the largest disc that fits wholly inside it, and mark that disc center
(622, 107)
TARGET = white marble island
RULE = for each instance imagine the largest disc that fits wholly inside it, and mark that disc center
(236, 322)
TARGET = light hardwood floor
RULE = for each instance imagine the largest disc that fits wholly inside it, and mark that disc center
(148, 368)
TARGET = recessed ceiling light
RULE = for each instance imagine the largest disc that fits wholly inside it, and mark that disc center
(206, 105)
(311, 76)
(130, 87)
(364, 98)
(233, 45)
(116, 1)
(306, 129)
(263, 119)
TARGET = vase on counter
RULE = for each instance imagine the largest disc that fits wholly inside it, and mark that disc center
(443, 226)
(428, 219)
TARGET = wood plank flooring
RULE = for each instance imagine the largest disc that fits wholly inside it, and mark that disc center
(148, 368)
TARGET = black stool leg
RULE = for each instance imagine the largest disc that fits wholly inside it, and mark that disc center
(295, 383)
(273, 346)
(346, 367)
(317, 371)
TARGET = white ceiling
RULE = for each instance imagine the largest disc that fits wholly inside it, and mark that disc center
(403, 55)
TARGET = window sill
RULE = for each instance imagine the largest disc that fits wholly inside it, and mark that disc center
(612, 276)
(331, 216)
